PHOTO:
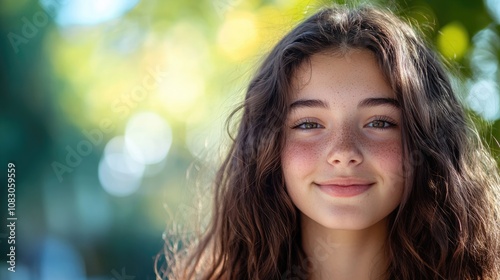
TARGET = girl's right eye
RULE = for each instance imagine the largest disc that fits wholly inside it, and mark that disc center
(307, 125)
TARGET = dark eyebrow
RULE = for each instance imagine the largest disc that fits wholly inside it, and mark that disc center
(308, 103)
(370, 102)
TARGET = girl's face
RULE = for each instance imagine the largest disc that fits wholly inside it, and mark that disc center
(342, 158)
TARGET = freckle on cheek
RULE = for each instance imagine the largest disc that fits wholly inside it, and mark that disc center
(300, 154)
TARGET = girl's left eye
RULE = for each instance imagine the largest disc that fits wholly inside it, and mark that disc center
(381, 124)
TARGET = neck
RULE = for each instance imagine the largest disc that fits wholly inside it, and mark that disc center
(345, 254)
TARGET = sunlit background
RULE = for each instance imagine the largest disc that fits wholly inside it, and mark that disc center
(112, 110)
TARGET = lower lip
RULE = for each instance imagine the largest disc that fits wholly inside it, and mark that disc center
(344, 191)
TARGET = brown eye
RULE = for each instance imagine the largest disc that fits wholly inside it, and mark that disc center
(308, 125)
(381, 124)
(378, 124)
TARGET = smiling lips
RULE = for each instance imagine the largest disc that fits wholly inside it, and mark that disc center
(345, 187)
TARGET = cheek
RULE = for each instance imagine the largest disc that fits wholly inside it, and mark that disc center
(299, 157)
(387, 157)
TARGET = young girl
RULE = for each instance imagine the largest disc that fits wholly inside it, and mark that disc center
(353, 160)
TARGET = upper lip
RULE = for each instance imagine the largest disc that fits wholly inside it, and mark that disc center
(345, 181)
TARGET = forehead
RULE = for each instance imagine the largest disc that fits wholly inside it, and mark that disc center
(355, 72)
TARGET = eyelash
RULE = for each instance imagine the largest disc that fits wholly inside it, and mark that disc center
(306, 122)
(383, 119)
(388, 123)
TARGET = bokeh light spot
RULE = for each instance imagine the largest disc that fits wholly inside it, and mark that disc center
(238, 36)
(119, 173)
(484, 99)
(186, 66)
(494, 9)
(453, 40)
(484, 60)
(147, 138)
(87, 12)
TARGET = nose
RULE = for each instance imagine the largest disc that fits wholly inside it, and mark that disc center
(344, 150)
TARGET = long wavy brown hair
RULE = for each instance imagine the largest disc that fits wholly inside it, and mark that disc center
(447, 225)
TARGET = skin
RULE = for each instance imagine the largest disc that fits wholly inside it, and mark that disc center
(347, 139)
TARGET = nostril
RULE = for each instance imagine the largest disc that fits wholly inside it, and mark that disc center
(352, 157)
